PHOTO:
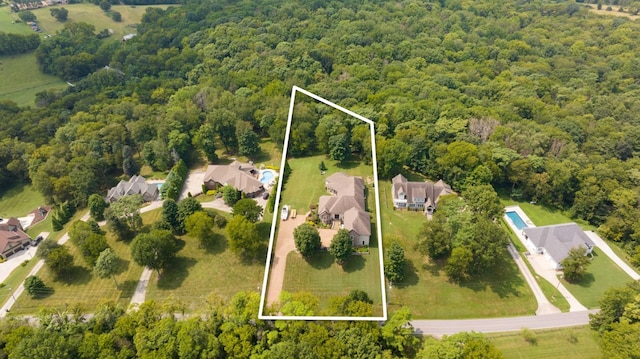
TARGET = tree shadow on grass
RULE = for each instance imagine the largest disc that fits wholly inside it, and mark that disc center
(585, 281)
(353, 263)
(180, 243)
(345, 165)
(127, 288)
(44, 293)
(320, 260)
(504, 279)
(434, 266)
(175, 273)
(261, 156)
(264, 230)
(77, 275)
(411, 277)
(218, 244)
(123, 265)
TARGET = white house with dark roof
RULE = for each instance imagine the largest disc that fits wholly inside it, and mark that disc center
(417, 196)
(346, 205)
(556, 241)
(241, 176)
(135, 185)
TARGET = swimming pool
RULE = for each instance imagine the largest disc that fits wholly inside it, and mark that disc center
(267, 176)
(517, 221)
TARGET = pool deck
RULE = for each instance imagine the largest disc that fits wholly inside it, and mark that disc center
(542, 267)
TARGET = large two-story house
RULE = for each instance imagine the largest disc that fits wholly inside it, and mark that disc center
(12, 237)
(135, 185)
(346, 206)
(417, 196)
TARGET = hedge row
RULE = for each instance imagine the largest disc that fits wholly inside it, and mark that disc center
(174, 182)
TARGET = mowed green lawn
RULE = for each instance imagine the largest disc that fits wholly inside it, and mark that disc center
(601, 275)
(19, 200)
(199, 274)
(306, 183)
(22, 79)
(81, 287)
(426, 289)
(565, 343)
(323, 277)
(20, 76)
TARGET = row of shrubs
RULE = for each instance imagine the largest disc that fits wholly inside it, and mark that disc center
(174, 182)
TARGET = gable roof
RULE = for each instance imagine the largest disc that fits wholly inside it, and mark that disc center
(348, 201)
(559, 239)
(11, 234)
(236, 174)
(427, 190)
(135, 185)
(357, 221)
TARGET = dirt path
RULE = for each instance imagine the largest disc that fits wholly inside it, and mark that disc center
(284, 245)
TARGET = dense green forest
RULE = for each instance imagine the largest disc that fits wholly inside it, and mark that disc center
(540, 99)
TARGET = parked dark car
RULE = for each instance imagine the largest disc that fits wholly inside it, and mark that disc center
(265, 195)
(34, 242)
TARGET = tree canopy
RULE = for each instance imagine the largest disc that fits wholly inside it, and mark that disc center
(306, 239)
(154, 250)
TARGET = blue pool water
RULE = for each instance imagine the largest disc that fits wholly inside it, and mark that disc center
(515, 218)
(266, 177)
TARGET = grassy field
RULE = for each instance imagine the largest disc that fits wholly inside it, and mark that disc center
(601, 275)
(21, 78)
(19, 200)
(565, 343)
(426, 290)
(81, 287)
(323, 277)
(615, 11)
(199, 273)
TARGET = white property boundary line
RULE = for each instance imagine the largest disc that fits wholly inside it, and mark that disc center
(277, 205)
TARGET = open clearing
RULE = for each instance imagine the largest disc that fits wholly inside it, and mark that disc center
(19, 200)
(199, 274)
(615, 11)
(21, 77)
(577, 342)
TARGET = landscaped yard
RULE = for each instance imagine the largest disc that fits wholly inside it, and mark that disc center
(544, 216)
(577, 342)
(306, 184)
(82, 287)
(323, 277)
(601, 275)
(19, 200)
(199, 273)
(552, 293)
(426, 289)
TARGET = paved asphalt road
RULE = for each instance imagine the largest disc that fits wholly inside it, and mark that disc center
(440, 327)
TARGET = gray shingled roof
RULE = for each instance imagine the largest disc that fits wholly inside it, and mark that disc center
(559, 239)
(348, 201)
(430, 191)
(135, 185)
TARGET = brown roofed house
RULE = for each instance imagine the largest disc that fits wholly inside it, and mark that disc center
(12, 237)
(241, 176)
(417, 196)
(346, 206)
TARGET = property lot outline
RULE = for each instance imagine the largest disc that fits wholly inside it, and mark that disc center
(263, 296)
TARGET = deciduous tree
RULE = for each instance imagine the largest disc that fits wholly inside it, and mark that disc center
(200, 225)
(244, 240)
(230, 195)
(107, 265)
(154, 250)
(306, 239)
(341, 246)
(575, 264)
(97, 206)
(394, 266)
(34, 286)
(248, 208)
